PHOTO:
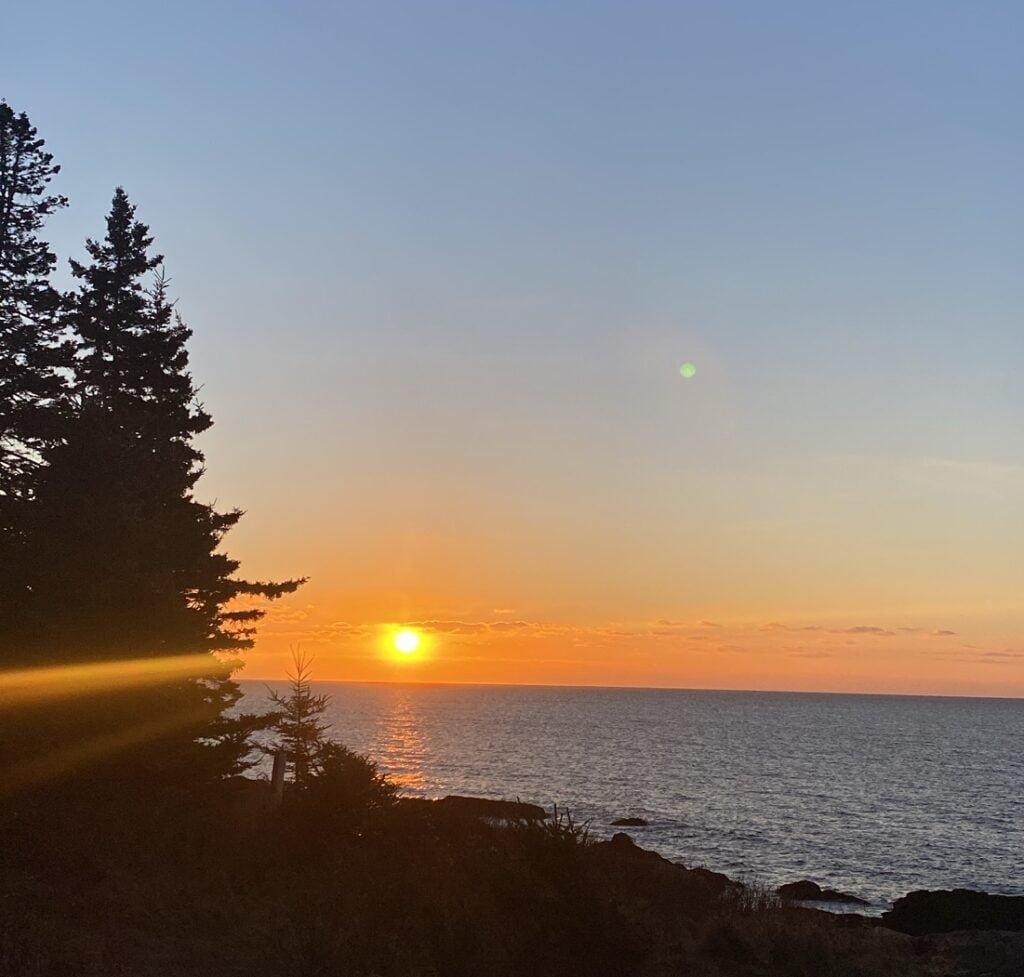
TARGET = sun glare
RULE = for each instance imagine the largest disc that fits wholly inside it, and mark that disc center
(407, 642)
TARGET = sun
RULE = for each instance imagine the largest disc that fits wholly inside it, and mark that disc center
(407, 642)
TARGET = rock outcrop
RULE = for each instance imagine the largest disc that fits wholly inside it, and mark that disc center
(482, 807)
(947, 910)
(807, 891)
(646, 878)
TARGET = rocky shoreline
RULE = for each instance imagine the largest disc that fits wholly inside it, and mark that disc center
(961, 932)
(957, 932)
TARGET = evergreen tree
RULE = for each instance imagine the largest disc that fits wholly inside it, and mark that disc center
(298, 721)
(31, 352)
(337, 791)
(125, 561)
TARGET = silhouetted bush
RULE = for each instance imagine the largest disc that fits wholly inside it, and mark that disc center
(346, 792)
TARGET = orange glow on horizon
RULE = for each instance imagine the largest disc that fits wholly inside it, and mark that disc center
(927, 650)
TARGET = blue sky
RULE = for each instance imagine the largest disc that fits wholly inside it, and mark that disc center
(444, 260)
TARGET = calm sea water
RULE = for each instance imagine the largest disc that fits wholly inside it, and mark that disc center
(875, 795)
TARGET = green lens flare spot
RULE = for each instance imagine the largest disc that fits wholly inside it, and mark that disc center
(687, 371)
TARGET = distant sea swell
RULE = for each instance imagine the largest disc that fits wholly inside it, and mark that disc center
(875, 795)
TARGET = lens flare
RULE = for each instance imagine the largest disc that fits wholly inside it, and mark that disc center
(67, 681)
(687, 371)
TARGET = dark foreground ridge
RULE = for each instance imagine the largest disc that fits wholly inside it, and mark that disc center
(345, 878)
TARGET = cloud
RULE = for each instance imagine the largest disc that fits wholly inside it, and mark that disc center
(529, 628)
(776, 626)
(300, 629)
(983, 479)
(1008, 657)
(936, 632)
(343, 627)
(491, 659)
(862, 629)
(515, 626)
(449, 627)
(855, 629)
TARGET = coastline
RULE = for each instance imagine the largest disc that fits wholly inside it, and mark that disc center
(768, 787)
(920, 912)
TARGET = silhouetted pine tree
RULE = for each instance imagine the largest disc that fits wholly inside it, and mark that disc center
(31, 352)
(125, 562)
(30, 347)
(298, 722)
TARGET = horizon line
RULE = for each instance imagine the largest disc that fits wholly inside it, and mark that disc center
(647, 688)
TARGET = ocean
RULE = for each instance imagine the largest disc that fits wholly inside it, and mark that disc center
(873, 795)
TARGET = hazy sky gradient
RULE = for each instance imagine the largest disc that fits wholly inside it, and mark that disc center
(443, 262)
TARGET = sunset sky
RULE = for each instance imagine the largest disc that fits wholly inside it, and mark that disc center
(444, 262)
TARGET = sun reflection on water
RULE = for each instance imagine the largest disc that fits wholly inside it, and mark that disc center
(403, 746)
